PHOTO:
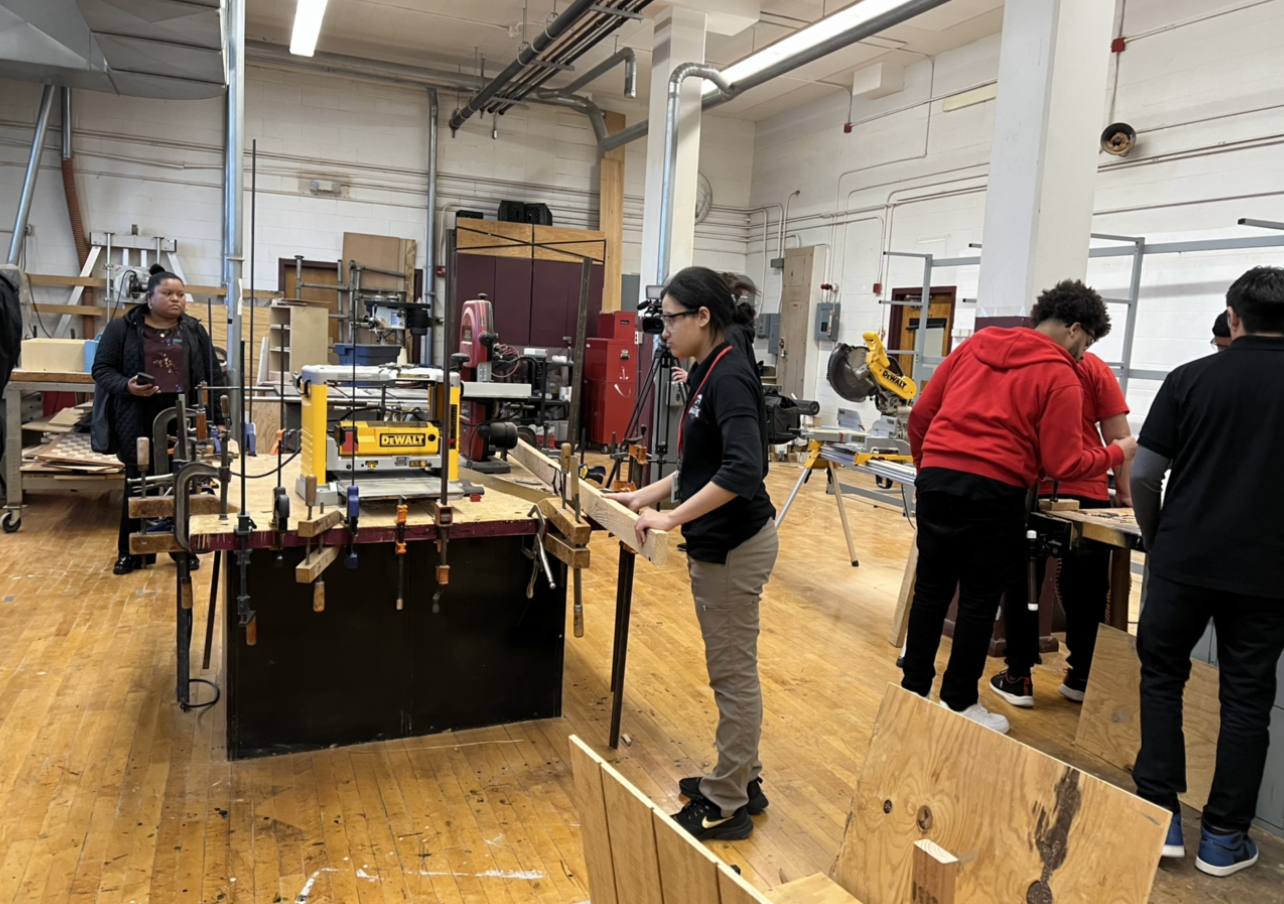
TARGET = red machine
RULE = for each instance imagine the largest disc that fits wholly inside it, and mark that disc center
(479, 432)
(610, 377)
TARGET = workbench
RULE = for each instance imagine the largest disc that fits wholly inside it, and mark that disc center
(15, 482)
(362, 670)
(1116, 528)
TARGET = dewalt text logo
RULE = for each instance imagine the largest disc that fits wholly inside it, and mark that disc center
(402, 440)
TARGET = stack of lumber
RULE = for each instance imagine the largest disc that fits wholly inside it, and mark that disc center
(69, 453)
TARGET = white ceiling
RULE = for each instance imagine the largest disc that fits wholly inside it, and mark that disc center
(454, 34)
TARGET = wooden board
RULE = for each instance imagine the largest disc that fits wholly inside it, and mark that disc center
(557, 243)
(610, 219)
(735, 889)
(1116, 527)
(311, 568)
(688, 870)
(91, 282)
(586, 767)
(576, 532)
(904, 599)
(316, 526)
(43, 376)
(815, 889)
(75, 448)
(53, 355)
(151, 544)
(572, 556)
(163, 506)
(936, 873)
(632, 832)
(1025, 826)
(594, 504)
(1110, 720)
(493, 238)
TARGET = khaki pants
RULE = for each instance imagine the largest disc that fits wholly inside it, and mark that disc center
(726, 599)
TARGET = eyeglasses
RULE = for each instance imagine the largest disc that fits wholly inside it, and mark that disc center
(669, 319)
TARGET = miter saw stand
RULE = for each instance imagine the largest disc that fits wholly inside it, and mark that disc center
(860, 373)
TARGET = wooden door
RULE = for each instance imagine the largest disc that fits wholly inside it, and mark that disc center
(903, 324)
(795, 321)
(316, 273)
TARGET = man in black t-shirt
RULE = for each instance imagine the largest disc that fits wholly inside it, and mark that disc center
(1216, 551)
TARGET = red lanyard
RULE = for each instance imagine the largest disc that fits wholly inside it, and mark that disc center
(682, 425)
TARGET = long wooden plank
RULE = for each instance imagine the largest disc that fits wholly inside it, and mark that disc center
(1027, 826)
(310, 568)
(76, 310)
(1110, 721)
(150, 544)
(905, 599)
(163, 506)
(632, 832)
(606, 512)
(936, 873)
(586, 767)
(815, 889)
(688, 870)
(91, 282)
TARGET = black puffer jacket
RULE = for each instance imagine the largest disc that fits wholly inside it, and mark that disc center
(120, 418)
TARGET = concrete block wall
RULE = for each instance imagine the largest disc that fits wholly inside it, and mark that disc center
(1200, 83)
(158, 165)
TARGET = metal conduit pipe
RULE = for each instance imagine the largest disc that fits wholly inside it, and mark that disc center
(680, 74)
(33, 170)
(906, 11)
(430, 243)
(233, 202)
(572, 102)
(625, 56)
(555, 28)
(339, 64)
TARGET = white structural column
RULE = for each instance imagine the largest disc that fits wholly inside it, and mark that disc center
(1053, 63)
(679, 38)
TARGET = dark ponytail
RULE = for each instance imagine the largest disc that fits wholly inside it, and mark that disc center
(158, 275)
(699, 287)
(742, 289)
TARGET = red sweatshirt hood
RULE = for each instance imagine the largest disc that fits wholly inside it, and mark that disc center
(1006, 349)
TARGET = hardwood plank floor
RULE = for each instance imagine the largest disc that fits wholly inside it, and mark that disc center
(108, 793)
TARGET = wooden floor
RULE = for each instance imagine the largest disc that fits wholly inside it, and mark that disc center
(109, 793)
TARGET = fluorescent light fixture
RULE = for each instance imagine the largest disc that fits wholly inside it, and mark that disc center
(804, 39)
(307, 26)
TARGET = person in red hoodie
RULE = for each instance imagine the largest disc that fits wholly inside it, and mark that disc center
(1003, 409)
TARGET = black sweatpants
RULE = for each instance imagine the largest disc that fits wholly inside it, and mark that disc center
(974, 546)
(1250, 639)
(1084, 586)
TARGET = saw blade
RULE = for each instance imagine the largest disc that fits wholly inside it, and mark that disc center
(848, 372)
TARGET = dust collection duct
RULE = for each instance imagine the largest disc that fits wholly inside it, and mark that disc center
(164, 49)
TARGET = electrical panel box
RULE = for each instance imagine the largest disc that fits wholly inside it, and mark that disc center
(827, 320)
(768, 327)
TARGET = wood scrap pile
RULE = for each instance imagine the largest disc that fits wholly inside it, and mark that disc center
(69, 453)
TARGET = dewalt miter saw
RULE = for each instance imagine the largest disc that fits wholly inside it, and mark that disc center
(861, 373)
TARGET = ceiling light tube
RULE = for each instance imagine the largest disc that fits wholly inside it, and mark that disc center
(806, 38)
(307, 26)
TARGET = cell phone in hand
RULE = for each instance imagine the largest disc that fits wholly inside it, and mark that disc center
(144, 379)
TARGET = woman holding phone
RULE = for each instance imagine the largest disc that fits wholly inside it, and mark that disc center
(144, 360)
(728, 524)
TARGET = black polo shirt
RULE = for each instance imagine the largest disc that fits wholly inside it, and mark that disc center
(724, 440)
(1221, 421)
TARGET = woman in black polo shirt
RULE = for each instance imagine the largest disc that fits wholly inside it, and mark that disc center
(728, 524)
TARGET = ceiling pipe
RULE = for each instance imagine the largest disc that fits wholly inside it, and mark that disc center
(33, 170)
(339, 64)
(626, 56)
(528, 53)
(843, 39)
(681, 74)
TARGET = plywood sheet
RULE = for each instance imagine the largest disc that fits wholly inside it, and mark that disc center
(1110, 722)
(494, 238)
(586, 767)
(633, 849)
(1025, 826)
(557, 243)
(688, 870)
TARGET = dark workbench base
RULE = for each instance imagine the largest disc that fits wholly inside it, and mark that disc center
(362, 671)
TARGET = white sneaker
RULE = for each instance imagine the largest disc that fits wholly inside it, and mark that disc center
(982, 716)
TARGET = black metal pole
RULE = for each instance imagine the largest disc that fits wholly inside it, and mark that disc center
(183, 635)
(577, 366)
(209, 619)
(620, 653)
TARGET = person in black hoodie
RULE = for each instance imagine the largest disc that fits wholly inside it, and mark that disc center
(728, 523)
(159, 340)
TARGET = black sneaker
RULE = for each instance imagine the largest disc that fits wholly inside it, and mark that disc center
(126, 564)
(690, 788)
(1073, 687)
(1015, 689)
(703, 819)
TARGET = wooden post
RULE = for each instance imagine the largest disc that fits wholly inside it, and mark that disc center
(611, 215)
(905, 599)
(935, 872)
(1120, 588)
